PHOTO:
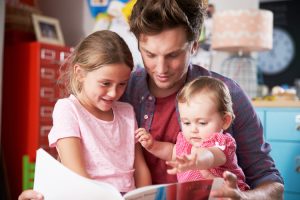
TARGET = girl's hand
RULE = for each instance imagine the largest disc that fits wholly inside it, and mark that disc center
(182, 163)
(30, 195)
(144, 138)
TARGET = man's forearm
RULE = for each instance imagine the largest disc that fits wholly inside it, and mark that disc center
(266, 191)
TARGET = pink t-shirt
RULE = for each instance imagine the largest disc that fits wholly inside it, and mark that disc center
(108, 146)
(227, 144)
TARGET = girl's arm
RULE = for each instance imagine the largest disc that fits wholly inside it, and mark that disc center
(142, 174)
(71, 154)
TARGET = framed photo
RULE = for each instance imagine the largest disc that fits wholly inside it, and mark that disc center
(47, 30)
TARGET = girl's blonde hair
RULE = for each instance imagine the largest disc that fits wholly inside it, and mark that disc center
(98, 49)
(212, 86)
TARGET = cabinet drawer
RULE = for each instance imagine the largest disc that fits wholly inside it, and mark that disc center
(282, 125)
(286, 157)
(291, 196)
(261, 115)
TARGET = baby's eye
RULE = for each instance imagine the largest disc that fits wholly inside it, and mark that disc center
(203, 123)
(186, 123)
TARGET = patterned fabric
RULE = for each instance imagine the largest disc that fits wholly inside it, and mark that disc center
(108, 146)
(252, 151)
(224, 142)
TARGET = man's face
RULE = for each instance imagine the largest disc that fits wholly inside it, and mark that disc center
(166, 57)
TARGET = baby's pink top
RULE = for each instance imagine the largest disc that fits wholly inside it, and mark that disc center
(223, 141)
(108, 146)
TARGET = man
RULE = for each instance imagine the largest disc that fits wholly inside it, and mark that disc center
(167, 33)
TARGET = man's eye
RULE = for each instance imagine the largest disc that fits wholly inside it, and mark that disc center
(150, 55)
(173, 55)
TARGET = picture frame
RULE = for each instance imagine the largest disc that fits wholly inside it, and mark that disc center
(47, 30)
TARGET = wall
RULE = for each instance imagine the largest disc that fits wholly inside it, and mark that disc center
(75, 19)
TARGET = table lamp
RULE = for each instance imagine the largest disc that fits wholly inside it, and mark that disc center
(241, 32)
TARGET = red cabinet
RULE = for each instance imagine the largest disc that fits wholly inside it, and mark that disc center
(30, 91)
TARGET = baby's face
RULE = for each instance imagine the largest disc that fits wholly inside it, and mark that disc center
(200, 118)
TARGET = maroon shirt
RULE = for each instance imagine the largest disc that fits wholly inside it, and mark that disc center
(164, 127)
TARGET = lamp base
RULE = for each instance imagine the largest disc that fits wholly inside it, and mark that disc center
(242, 69)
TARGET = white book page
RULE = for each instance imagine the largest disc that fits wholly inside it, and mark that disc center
(56, 182)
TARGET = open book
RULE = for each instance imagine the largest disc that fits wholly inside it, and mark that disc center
(56, 182)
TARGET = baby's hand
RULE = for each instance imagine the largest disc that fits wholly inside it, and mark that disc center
(144, 138)
(181, 164)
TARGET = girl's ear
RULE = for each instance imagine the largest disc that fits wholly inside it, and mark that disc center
(227, 119)
(78, 72)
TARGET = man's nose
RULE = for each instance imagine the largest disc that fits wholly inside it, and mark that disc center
(161, 65)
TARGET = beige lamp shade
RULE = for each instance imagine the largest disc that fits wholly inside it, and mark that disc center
(242, 30)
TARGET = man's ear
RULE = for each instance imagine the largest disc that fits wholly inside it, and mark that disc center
(194, 47)
(78, 72)
(227, 119)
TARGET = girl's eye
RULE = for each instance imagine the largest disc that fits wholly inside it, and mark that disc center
(123, 84)
(202, 123)
(105, 84)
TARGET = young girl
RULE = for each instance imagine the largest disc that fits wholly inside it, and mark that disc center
(202, 149)
(93, 132)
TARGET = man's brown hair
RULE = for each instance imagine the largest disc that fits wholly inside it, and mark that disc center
(153, 16)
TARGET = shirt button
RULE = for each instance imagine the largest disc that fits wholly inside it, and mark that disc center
(142, 98)
(150, 98)
(146, 117)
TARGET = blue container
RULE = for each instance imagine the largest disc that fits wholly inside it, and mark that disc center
(99, 6)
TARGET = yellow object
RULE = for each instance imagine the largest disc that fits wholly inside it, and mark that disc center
(128, 8)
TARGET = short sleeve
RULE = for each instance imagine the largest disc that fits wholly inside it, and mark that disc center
(65, 122)
(225, 142)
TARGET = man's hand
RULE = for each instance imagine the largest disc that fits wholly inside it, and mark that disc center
(230, 189)
(144, 138)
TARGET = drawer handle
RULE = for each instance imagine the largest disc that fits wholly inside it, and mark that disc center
(297, 120)
(298, 164)
(45, 130)
(47, 54)
(47, 73)
(46, 111)
(48, 93)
